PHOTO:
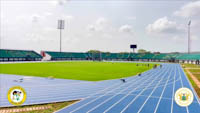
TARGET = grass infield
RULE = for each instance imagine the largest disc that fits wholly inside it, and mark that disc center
(91, 71)
(193, 71)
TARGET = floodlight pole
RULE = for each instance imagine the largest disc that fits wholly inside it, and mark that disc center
(61, 24)
(189, 36)
(60, 40)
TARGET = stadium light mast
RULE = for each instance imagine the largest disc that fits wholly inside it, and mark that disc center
(61, 24)
(189, 23)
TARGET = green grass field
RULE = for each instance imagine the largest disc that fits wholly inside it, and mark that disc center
(193, 71)
(191, 65)
(92, 71)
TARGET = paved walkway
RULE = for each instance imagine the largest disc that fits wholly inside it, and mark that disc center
(16, 110)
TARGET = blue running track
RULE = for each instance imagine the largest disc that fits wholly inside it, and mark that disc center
(152, 92)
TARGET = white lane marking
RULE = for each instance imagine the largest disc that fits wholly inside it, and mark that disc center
(101, 96)
(150, 94)
(112, 97)
(123, 98)
(93, 95)
(182, 86)
(173, 91)
(137, 96)
(161, 95)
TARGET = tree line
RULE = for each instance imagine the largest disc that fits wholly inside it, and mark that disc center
(139, 51)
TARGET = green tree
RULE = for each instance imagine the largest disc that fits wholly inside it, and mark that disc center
(156, 52)
(94, 51)
(142, 51)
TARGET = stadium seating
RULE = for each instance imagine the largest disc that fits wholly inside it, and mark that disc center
(148, 56)
(67, 55)
(188, 57)
(159, 56)
(19, 55)
(123, 56)
(24, 55)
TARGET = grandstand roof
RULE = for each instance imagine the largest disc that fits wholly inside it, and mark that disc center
(8, 53)
(161, 56)
(66, 54)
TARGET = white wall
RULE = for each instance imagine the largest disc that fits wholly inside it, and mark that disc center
(47, 57)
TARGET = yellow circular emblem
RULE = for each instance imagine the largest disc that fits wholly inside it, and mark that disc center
(184, 97)
(16, 95)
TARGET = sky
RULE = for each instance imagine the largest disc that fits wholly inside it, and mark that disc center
(106, 25)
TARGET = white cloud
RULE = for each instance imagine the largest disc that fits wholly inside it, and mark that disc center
(48, 14)
(164, 26)
(71, 40)
(101, 21)
(62, 2)
(103, 28)
(21, 18)
(36, 18)
(191, 9)
(126, 28)
(57, 2)
(101, 24)
(184, 39)
(41, 34)
(178, 39)
(91, 28)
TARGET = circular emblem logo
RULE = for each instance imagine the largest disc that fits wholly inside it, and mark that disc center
(184, 97)
(16, 95)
